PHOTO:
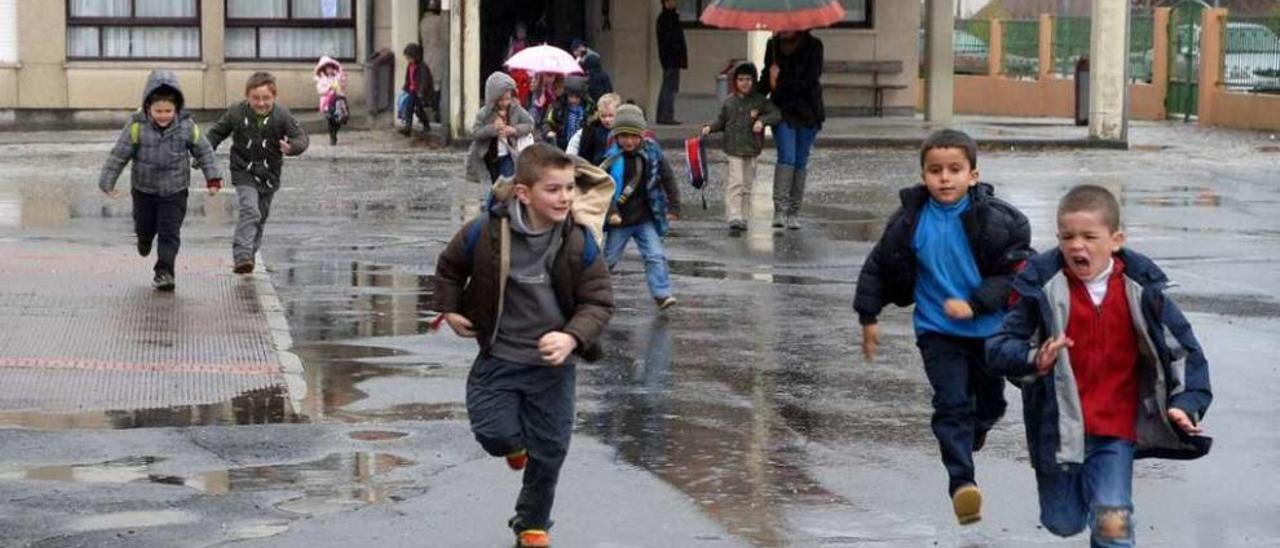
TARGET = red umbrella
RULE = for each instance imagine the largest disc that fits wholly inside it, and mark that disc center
(774, 15)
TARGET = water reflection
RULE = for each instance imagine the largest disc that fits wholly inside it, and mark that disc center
(343, 300)
(268, 405)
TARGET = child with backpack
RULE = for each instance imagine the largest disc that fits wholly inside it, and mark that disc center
(262, 133)
(534, 317)
(331, 85)
(160, 140)
(742, 119)
(570, 113)
(592, 141)
(645, 203)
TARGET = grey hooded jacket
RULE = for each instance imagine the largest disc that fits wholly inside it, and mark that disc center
(161, 156)
(482, 131)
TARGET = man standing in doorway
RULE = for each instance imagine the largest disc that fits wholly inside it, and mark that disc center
(674, 57)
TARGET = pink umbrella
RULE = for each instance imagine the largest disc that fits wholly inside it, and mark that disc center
(544, 58)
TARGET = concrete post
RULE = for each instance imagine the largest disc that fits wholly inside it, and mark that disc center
(404, 29)
(469, 67)
(995, 51)
(1046, 46)
(1212, 22)
(1160, 56)
(1108, 61)
(939, 83)
(213, 46)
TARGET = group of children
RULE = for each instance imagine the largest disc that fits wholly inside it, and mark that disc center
(1109, 368)
(160, 139)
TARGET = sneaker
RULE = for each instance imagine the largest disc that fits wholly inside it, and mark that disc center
(533, 538)
(243, 267)
(405, 131)
(163, 282)
(144, 247)
(665, 302)
(793, 222)
(778, 220)
(518, 460)
(967, 502)
(670, 122)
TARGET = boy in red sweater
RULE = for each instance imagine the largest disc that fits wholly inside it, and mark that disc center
(1109, 368)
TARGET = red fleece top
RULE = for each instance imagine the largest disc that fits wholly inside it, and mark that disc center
(1104, 358)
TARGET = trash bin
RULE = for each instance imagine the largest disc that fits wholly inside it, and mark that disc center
(1082, 91)
(379, 81)
(722, 79)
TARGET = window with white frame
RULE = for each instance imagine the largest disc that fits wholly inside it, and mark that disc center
(290, 30)
(8, 31)
(133, 29)
(857, 13)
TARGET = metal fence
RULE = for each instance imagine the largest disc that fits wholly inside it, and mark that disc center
(1141, 46)
(1251, 60)
(1070, 43)
(1021, 49)
(972, 45)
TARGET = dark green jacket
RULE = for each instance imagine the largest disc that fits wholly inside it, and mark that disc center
(735, 121)
(255, 143)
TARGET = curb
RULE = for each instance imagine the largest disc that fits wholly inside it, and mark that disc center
(278, 325)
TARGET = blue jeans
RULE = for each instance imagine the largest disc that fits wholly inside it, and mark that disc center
(650, 244)
(1098, 494)
(794, 144)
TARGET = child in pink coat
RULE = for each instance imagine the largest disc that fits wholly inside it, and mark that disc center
(331, 85)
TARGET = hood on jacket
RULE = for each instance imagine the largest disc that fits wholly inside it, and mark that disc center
(497, 84)
(914, 197)
(1044, 266)
(592, 63)
(325, 61)
(162, 80)
(595, 194)
(575, 85)
(746, 67)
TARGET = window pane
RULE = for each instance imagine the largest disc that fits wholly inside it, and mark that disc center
(82, 42)
(99, 8)
(240, 45)
(855, 11)
(321, 9)
(294, 43)
(126, 42)
(257, 9)
(166, 8)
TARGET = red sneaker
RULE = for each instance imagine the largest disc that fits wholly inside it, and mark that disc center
(533, 538)
(518, 459)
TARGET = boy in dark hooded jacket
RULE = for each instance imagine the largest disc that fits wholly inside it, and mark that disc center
(160, 140)
(742, 119)
(262, 133)
(571, 113)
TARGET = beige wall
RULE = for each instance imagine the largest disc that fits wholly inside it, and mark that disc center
(893, 38)
(45, 79)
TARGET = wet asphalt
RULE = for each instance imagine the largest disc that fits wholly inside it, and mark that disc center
(743, 416)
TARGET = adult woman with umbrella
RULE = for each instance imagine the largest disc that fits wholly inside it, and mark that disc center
(792, 78)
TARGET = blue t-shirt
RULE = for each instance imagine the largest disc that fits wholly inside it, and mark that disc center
(947, 271)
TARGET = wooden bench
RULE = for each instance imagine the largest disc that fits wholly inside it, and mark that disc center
(874, 68)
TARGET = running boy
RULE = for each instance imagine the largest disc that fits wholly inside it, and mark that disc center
(645, 202)
(742, 119)
(160, 139)
(262, 134)
(537, 297)
(952, 249)
(1109, 368)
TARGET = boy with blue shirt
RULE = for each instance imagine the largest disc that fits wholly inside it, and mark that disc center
(952, 249)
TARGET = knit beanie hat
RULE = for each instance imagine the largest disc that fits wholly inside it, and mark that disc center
(629, 120)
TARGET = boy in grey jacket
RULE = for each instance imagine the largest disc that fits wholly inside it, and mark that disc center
(262, 134)
(742, 119)
(496, 133)
(160, 139)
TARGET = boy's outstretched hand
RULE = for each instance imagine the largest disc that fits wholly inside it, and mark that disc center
(1048, 354)
(1182, 420)
(957, 309)
(460, 324)
(214, 185)
(113, 193)
(870, 341)
(285, 147)
(706, 130)
(556, 347)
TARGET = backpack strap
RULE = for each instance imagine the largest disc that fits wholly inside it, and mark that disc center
(472, 237)
(589, 248)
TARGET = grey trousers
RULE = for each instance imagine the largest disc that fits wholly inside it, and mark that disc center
(254, 207)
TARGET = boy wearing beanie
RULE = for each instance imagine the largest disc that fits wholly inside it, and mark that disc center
(742, 119)
(645, 201)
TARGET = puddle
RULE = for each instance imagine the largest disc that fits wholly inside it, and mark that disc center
(1269, 148)
(138, 519)
(262, 406)
(344, 300)
(339, 480)
(1178, 196)
(718, 271)
(1244, 306)
(376, 435)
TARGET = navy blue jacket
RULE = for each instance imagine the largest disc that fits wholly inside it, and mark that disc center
(1172, 371)
(999, 237)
